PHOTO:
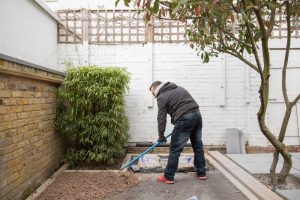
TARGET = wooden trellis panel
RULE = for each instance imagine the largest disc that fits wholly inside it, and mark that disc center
(280, 30)
(168, 31)
(126, 26)
(72, 31)
(116, 26)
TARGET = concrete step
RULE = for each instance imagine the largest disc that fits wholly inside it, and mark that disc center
(243, 177)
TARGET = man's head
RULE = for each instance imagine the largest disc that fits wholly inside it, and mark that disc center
(153, 86)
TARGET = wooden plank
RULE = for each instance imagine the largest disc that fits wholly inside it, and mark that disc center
(122, 26)
(113, 25)
(118, 34)
(105, 25)
(98, 25)
(116, 42)
(177, 31)
(67, 27)
(85, 25)
(170, 31)
(297, 26)
(280, 27)
(162, 31)
(74, 27)
(138, 29)
(129, 23)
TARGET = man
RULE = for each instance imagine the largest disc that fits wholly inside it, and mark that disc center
(185, 115)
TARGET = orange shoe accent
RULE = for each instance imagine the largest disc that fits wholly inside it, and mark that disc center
(162, 178)
(202, 177)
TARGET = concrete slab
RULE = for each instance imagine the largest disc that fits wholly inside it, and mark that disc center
(216, 187)
(260, 163)
(256, 187)
(297, 175)
(290, 194)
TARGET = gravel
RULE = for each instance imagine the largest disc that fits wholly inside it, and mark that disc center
(88, 185)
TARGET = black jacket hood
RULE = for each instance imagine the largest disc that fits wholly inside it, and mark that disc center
(167, 87)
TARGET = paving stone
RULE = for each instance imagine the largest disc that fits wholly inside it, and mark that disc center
(290, 194)
(260, 163)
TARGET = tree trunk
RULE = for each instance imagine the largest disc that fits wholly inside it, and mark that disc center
(264, 98)
(287, 162)
(287, 165)
(279, 146)
(273, 169)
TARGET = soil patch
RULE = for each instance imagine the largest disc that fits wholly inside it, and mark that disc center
(99, 166)
(88, 185)
(292, 182)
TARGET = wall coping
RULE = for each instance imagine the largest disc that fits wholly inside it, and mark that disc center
(15, 66)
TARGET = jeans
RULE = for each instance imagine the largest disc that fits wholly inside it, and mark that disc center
(189, 126)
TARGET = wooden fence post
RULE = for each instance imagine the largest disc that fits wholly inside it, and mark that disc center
(85, 36)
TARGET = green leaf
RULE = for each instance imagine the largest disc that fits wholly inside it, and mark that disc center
(117, 2)
(155, 7)
(126, 2)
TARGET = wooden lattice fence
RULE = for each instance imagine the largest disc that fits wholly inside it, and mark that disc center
(126, 26)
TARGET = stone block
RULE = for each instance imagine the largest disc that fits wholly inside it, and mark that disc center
(2, 85)
(10, 101)
(22, 101)
(15, 109)
(20, 122)
(18, 94)
(32, 100)
(5, 125)
(22, 115)
(2, 110)
(10, 117)
(10, 133)
(5, 93)
(27, 108)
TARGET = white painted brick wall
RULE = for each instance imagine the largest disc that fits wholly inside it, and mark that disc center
(180, 64)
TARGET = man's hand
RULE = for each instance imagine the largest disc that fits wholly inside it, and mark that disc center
(162, 139)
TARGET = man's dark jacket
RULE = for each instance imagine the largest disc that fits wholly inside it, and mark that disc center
(175, 101)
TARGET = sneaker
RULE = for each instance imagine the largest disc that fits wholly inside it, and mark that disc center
(162, 178)
(202, 177)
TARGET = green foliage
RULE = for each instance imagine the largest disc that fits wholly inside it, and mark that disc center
(210, 22)
(92, 112)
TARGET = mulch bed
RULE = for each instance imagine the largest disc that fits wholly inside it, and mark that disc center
(291, 182)
(88, 185)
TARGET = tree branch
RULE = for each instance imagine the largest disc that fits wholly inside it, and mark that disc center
(230, 34)
(253, 44)
(239, 56)
(295, 100)
(287, 51)
(272, 22)
(266, 70)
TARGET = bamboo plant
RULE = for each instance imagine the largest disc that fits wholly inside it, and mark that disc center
(91, 112)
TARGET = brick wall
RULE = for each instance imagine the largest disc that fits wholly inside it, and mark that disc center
(30, 149)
